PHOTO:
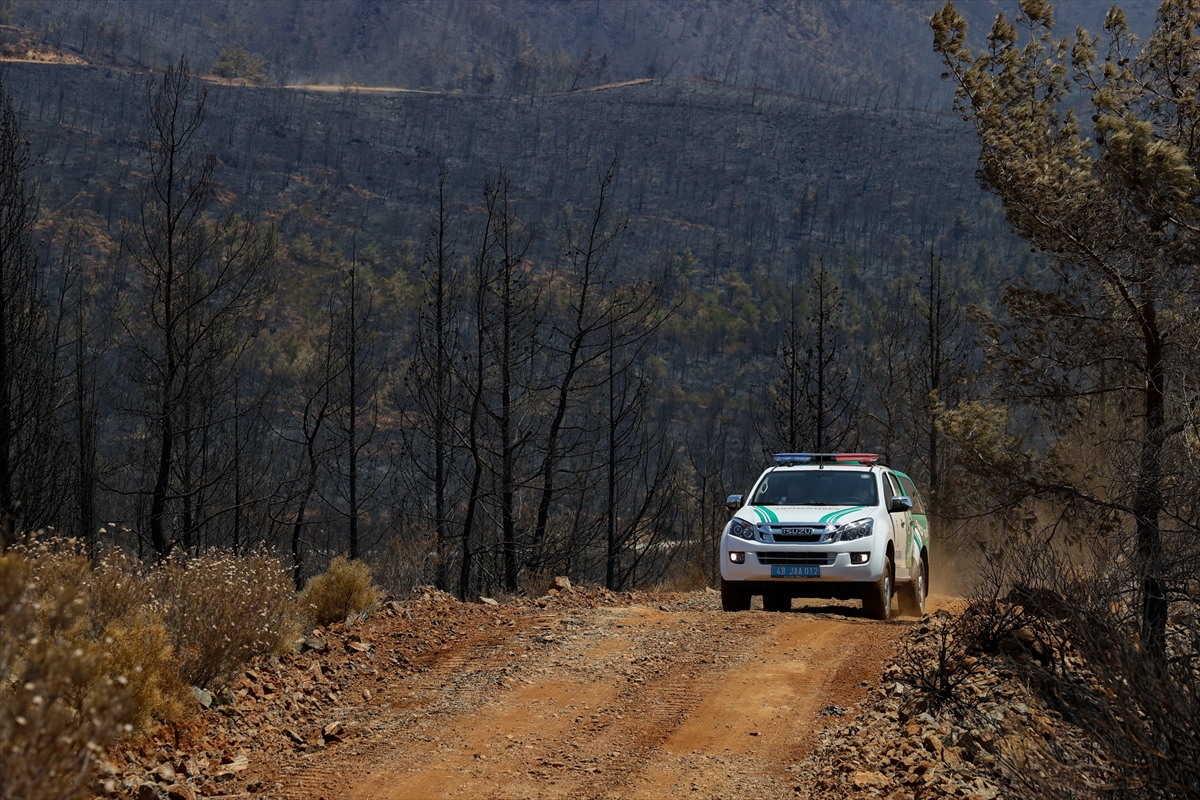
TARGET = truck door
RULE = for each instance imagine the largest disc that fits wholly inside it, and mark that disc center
(918, 525)
(900, 522)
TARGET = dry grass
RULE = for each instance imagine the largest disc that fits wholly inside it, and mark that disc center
(537, 583)
(88, 653)
(123, 617)
(139, 646)
(342, 590)
(117, 584)
(121, 622)
(221, 610)
(118, 622)
(405, 563)
(688, 577)
(59, 704)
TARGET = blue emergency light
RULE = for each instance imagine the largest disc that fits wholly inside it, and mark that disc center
(786, 459)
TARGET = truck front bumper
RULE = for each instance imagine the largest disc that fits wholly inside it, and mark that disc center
(832, 562)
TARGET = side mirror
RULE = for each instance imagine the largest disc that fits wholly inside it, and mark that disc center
(900, 503)
(733, 502)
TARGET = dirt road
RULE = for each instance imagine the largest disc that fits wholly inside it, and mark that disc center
(647, 697)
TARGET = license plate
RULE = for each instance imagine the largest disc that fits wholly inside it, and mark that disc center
(795, 572)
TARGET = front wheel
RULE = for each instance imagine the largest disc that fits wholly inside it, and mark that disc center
(734, 596)
(877, 601)
(912, 594)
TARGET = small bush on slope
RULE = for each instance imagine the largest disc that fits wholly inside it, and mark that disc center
(341, 590)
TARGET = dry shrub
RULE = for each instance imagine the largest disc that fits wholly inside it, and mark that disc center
(124, 618)
(1141, 713)
(342, 590)
(88, 653)
(936, 664)
(222, 610)
(117, 585)
(1015, 609)
(58, 706)
(691, 577)
(120, 621)
(138, 645)
(1072, 634)
(406, 563)
(54, 563)
(537, 583)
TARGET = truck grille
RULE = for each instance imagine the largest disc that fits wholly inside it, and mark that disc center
(798, 534)
(800, 559)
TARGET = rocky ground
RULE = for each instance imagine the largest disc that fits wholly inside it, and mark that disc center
(993, 736)
(594, 694)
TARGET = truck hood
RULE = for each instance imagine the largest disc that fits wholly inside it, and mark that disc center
(800, 515)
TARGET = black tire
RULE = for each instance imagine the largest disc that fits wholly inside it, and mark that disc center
(777, 601)
(912, 594)
(734, 596)
(877, 601)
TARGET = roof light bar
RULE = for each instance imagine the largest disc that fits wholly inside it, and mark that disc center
(859, 458)
(784, 459)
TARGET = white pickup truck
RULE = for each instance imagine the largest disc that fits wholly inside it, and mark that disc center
(831, 525)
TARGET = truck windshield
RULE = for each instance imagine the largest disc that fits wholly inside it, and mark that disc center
(816, 488)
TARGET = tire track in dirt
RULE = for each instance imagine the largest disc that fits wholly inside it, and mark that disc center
(631, 701)
(438, 682)
(761, 716)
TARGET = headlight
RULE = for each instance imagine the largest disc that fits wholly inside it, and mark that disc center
(854, 530)
(741, 529)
